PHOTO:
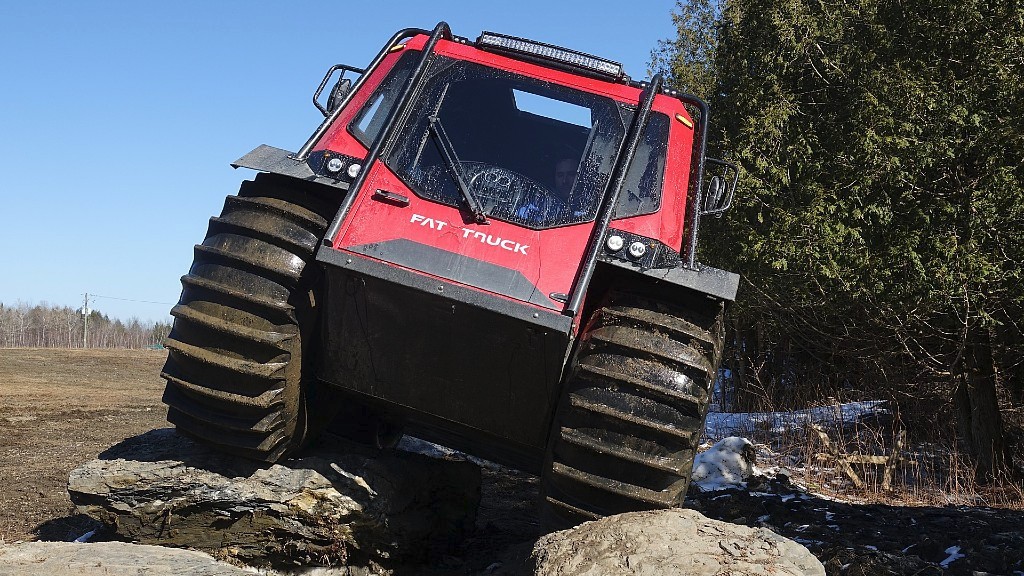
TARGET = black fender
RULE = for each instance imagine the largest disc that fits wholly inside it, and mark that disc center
(313, 169)
(703, 279)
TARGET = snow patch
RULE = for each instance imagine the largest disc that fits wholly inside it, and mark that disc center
(418, 446)
(721, 424)
(726, 464)
(954, 555)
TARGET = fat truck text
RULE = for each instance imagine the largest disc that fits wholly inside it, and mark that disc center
(510, 245)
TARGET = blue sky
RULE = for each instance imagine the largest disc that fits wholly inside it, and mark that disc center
(118, 119)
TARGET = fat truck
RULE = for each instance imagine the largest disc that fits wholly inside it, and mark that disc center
(487, 244)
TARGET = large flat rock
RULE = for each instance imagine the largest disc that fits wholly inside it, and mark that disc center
(329, 507)
(108, 559)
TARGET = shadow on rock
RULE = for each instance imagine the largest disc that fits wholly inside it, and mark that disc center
(66, 528)
(165, 444)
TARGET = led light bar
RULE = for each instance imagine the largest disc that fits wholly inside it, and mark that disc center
(549, 52)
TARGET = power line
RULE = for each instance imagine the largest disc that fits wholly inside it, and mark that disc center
(132, 300)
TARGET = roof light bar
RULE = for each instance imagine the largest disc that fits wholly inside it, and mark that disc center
(549, 52)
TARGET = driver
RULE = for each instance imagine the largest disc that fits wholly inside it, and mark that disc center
(537, 207)
(565, 177)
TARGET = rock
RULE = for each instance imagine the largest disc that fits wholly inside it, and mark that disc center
(108, 559)
(669, 542)
(328, 507)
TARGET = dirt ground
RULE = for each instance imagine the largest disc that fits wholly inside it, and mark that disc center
(58, 409)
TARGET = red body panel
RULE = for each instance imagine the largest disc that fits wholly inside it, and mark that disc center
(549, 259)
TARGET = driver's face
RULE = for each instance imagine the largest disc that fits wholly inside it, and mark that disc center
(565, 175)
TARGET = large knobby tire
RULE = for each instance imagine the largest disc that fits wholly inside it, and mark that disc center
(632, 409)
(244, 328)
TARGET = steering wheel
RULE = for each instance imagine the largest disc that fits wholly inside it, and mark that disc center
(500, 190)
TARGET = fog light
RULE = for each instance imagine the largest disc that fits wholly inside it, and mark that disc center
(335, 165)
(637, 249)
(615, 243)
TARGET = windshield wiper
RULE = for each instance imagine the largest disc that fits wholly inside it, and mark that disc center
(448, 151)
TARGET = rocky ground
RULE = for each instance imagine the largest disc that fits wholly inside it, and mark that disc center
(59, 409)
(849, 539)
(869, 539)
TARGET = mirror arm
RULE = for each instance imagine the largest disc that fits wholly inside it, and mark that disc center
(323, 83)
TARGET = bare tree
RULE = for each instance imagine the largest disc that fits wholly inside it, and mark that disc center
(47, 326)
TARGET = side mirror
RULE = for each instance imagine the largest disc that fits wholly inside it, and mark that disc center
(720, 188)
(340, 91)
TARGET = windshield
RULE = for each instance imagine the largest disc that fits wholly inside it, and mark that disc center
(531, 152)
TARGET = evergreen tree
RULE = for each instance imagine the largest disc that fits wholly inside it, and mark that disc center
(879, 225)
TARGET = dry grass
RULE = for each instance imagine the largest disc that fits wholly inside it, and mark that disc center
(933, 473)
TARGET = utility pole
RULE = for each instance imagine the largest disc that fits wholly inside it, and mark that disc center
(85, 317)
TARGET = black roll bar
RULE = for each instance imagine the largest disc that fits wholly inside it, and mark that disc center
(697, 199)
(623, 159)
(387, 131)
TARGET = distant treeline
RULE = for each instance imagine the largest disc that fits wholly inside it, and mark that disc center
(45, 326)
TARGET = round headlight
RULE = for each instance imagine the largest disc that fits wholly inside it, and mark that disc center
(614, 243)
(637, 249)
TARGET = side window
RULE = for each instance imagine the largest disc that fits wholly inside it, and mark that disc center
(367, 124)
(641, 193)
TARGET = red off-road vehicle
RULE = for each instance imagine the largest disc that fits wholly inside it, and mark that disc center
(488, 244)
